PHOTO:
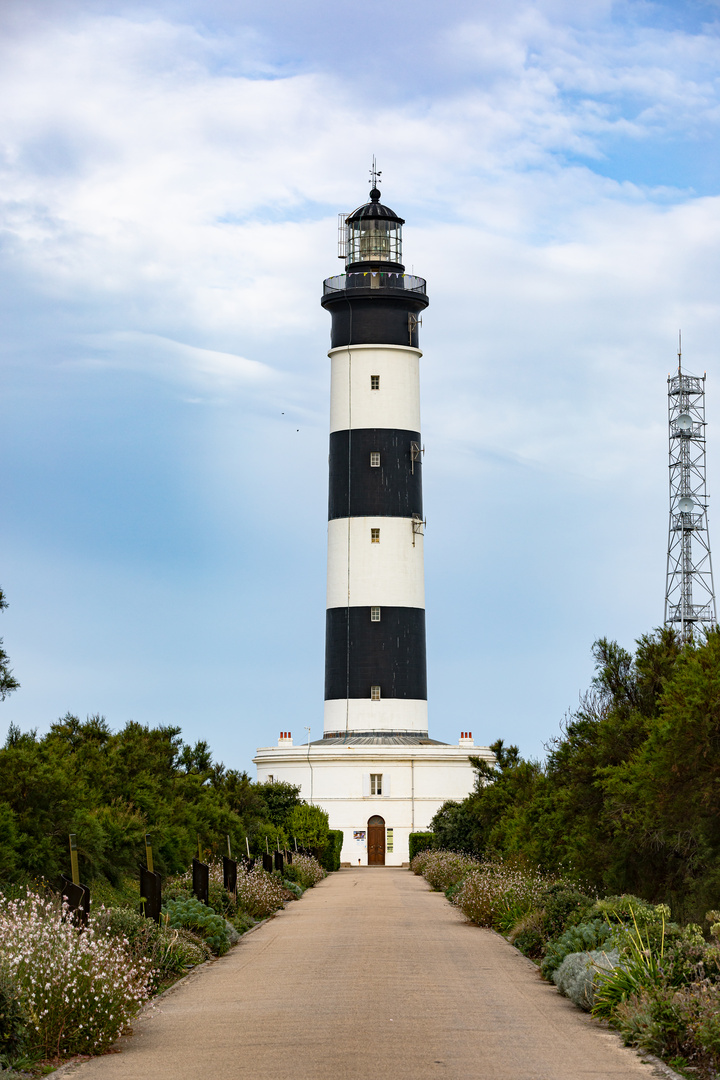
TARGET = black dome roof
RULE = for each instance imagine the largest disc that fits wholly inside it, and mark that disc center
(375, 209)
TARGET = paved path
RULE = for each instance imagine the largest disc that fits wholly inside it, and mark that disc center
(369, 976)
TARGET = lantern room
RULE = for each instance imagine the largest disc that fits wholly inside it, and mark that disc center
(373, 235)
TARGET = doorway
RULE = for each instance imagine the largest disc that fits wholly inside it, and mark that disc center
(376, 841)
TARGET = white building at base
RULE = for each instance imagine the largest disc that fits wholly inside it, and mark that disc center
(375, 771)
(377, 789)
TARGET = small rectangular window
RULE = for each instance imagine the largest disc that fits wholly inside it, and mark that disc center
(375, 783)
(374, 382)
(374, 536)
(374, 614)
(375, 459)
(374, 693)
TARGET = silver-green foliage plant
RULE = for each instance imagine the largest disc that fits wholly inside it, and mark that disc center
(579, 974)
(586, 937)
(193, 915)
(78, 990)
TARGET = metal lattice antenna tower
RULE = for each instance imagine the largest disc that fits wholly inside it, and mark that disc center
(689, 589)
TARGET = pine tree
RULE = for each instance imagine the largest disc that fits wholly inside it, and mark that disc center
(8, 682)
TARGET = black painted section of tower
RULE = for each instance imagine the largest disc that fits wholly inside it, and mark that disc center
(390, 654)
(374, 316)
(359, 489)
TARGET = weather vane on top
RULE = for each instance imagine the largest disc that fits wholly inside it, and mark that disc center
(375, 174)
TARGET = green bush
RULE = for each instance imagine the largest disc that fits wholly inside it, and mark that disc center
(420, 841)
(331, 853)
(586, 937)
(190, 914)
(169, 950)
(563, 906)
(305, 870)
(13, 1021)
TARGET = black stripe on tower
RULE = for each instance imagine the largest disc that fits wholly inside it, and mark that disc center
(384, 316)
(360, 653)
(360, 489)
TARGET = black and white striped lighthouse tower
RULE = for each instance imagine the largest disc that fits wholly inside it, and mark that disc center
(375, 669)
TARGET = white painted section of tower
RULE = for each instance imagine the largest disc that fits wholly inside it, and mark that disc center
(388, 714)
(396, 404)
(363, 574)
(417, 779)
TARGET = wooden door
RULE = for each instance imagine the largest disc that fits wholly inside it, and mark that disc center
(376, 841)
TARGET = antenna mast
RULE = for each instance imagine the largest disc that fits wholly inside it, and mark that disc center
(689, 589)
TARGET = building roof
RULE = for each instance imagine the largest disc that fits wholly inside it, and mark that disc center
(362, 738)
(374, 209)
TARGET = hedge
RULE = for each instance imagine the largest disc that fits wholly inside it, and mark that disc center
(420, 841)
(330, 859)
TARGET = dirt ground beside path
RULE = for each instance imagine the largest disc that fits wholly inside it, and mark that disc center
(371, 975)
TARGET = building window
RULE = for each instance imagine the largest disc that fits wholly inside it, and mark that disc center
(270, 778)
(375, 459)
(374, 614)
(389, 841)
(374, 536)
(374, 693)
(374, 382)
(375, 783)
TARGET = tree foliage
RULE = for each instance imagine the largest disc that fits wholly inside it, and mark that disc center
(111, 788)
(8, 682)
(628, 796)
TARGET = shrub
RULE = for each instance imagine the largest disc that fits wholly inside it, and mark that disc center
(259, 893)
(309, 825)
(307, 871)
(79, 990)
(563, 905)
(587, 937)
(446, 868)
(330, 860)
(170, 951)
(498, 894)
(419, 861)
(13, 1020)
(528, 934)
(192, 915)
(420, 841)
(579, 974)
(674, 1022)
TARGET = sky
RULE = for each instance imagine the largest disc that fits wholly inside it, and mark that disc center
(171, 175)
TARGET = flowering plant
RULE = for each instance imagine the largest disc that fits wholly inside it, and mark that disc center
(259, 893)
(79, 990)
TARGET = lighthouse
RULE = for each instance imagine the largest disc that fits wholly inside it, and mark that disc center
(375, 770)
(375, 655)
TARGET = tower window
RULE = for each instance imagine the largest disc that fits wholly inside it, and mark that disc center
(374, 614)
(374, 382)
(374, 693)
(375, 459)
(375, 783)
(374, 536)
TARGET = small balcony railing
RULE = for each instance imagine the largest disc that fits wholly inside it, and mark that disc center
(374, 279)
